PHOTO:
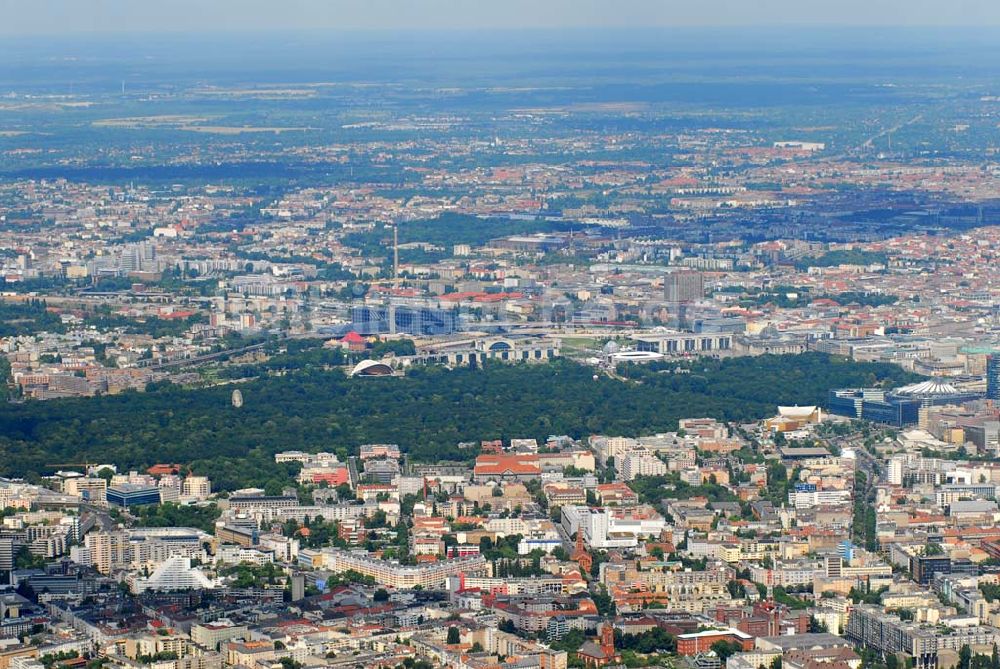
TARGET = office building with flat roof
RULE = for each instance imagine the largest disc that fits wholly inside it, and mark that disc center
(128, 495)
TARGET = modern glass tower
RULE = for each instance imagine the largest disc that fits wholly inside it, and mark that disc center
(993, 376)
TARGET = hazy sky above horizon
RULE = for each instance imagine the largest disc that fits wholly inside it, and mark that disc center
(38, 17)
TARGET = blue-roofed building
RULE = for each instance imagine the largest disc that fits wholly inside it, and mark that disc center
(128, 495)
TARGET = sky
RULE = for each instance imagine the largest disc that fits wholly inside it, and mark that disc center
(54, 17)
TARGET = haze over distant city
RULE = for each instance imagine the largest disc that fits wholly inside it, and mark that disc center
(23, 17)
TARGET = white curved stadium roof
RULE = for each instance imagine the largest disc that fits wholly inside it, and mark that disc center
(930, 387)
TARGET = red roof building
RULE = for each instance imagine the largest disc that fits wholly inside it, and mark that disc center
(163, 470)
(333, 477)
(499, 466)
(354, 342)
(701, 642)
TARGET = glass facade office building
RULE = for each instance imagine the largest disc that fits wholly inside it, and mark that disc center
(898, 407)
(374, 320)
(128, 495)
(993, 377)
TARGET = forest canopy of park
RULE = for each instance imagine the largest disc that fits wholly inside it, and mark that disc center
(427, 412)
(451, 228)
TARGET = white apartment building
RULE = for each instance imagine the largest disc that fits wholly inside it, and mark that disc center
(196, 487)
(431, 575)
(603, 529)
(611, 447)
(640, 462)
(895, 471)
(809, 499)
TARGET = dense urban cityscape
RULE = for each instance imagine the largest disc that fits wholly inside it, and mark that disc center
(554, 350)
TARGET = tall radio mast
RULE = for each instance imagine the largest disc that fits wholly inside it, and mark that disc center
(395, 254)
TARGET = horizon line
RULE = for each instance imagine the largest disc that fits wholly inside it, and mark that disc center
(458, 30)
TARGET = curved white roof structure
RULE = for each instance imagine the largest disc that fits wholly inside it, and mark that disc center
(636, 356)
(796, 412)
(930, 387)
(371, 368)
